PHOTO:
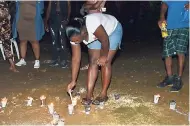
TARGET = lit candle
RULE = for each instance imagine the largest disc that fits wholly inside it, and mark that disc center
(51, 108)
(156, 98)
(29, 101)
(4, 102)
(74, 101)
(70, 109)
(43, 100)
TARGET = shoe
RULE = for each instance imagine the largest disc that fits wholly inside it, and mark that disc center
(54, 63)
(177, 84)
(21, 63)
(86, 101)
(37, 64)
(64, 64)
(99, 99)
(168, 81)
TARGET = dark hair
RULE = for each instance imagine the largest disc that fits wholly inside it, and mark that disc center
(74, 27)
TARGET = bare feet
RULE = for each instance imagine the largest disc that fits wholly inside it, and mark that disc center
(12, 66)
(13, 69)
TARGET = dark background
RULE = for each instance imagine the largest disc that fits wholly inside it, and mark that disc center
(138, 18)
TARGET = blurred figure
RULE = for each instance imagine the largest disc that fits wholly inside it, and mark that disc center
(12, 9)
(58, 14)
(5, 33)
(28, 23)
(93, 6)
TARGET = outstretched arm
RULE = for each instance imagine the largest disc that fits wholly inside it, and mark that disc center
(163, 11)
(76, 58)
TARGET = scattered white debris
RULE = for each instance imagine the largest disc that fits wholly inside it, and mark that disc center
(57, 99)
(82, 90)
(47, 61)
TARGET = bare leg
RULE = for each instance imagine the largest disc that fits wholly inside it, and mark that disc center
(92, 71)
(5, 33)
(12, 66)
(106, 73)
(36, 49)
(23, 48)
(8, 54)
(168, 64)
(181, 60)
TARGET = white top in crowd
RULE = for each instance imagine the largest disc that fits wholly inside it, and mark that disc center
(93, 21)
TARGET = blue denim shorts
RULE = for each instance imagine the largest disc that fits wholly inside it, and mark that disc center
(114, 39)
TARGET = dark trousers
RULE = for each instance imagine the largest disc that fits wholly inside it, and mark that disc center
(59, 41)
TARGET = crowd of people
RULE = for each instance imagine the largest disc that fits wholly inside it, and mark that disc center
(100, 32)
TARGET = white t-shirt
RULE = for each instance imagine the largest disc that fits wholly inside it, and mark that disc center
(93, 21)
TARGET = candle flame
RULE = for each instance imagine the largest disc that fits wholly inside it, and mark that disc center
(4, 99)
(43, 97)
(30, 98)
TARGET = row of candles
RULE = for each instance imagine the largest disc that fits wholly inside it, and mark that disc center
(51, 106)
(55, 116)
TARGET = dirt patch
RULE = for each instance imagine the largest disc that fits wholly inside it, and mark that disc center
(135, 76)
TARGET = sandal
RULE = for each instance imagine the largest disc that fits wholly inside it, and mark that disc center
(86, 101)
(99, 99)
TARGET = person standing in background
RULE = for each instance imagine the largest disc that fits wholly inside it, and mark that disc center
(29, 24)
(5, 33)
(93, 6)
(58, 14)
(176, 43)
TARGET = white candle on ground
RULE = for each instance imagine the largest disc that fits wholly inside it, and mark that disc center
(4, 102)
(29, 101)
(70, 109)
(74, 101)
(156, 98)
(43, 98)
(51, 108)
